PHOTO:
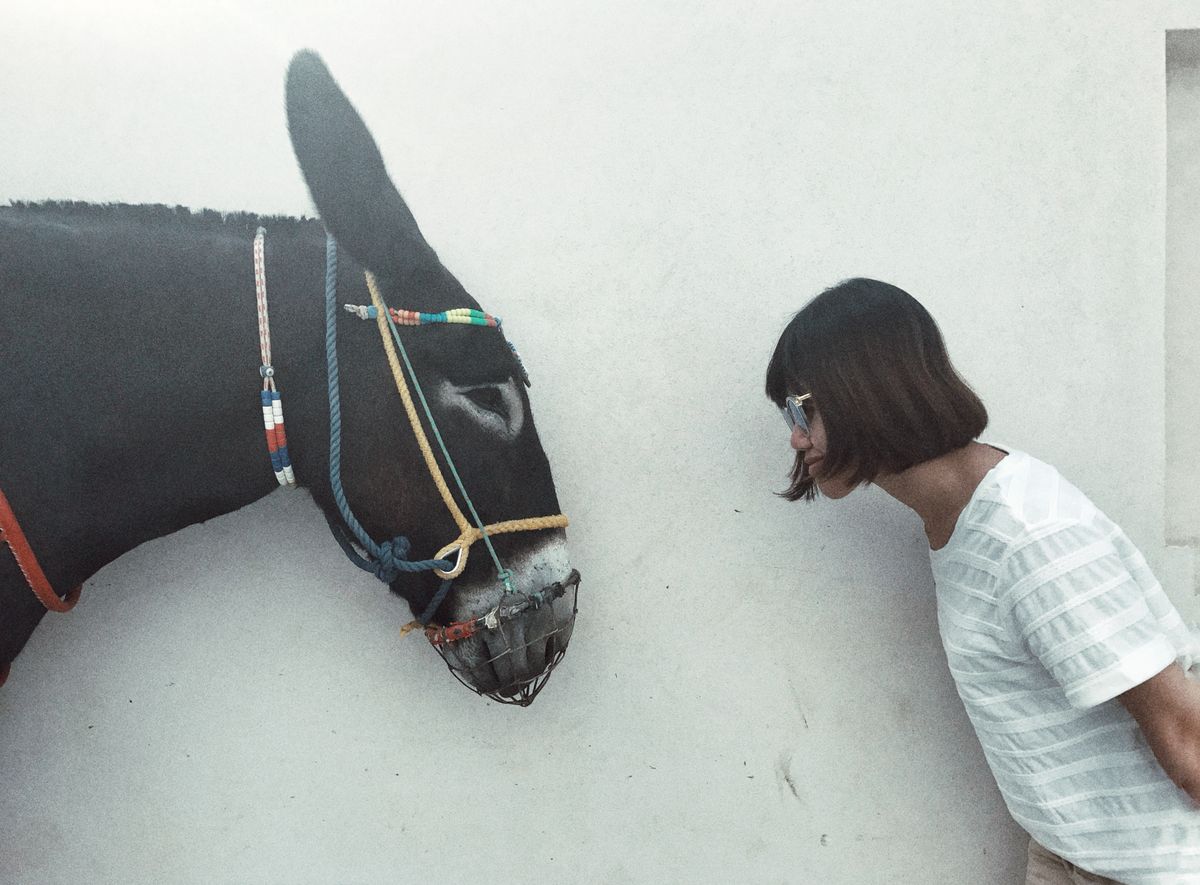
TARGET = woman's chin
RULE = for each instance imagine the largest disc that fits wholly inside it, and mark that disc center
(832, 489)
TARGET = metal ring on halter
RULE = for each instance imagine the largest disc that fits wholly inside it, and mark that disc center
(460, 561)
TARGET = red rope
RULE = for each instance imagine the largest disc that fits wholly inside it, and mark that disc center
(459, 630)
(11, 534)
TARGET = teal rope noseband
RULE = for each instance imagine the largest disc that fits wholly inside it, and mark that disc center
(502, 573)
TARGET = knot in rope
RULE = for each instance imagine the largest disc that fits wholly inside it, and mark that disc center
(391, 560)
(391, 557)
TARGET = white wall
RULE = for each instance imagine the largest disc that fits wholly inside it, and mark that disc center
(1182, 312)
(755, 690)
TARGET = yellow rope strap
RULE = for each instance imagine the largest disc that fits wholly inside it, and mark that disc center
(468, 534)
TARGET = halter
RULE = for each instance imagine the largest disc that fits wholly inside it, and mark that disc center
(389, 559)
(468, 533)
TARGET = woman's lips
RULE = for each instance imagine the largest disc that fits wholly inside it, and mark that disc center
(813, 463)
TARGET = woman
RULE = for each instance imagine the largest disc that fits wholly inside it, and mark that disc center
(1067, 654)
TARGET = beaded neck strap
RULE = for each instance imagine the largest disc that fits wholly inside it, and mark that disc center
(272, 403)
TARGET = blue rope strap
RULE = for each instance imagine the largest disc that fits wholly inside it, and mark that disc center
(388, 560)
(436, 602)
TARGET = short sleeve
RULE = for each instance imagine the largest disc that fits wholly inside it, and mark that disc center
(1083, 615)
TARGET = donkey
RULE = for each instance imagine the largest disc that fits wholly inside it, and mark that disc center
(129, 405)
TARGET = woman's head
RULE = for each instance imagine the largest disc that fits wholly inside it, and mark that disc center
(884, 396)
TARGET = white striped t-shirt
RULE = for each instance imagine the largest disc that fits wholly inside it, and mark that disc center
(1047, 612)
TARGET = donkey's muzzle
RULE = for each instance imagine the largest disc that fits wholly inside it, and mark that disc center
(509, 653)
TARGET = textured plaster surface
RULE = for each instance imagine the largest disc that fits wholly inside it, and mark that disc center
(755, 691)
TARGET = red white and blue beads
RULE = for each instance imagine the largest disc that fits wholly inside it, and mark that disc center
(281, 461)
(272, 405)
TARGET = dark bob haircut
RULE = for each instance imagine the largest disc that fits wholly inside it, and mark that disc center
(874, 361)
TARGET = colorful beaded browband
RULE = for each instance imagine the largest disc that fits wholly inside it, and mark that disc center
(468, 316)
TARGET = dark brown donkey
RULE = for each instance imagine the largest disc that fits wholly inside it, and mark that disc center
(129, 403)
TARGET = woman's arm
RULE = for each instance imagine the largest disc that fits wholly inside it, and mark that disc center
(1167, 707)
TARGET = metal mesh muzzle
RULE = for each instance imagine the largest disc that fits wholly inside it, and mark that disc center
(510, 632)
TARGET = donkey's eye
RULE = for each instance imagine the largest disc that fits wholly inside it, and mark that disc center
(489, 398)
(497, 408)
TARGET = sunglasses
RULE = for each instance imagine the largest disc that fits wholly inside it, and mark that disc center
(793, 412)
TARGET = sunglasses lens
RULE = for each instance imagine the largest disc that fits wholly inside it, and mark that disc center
(795, 416)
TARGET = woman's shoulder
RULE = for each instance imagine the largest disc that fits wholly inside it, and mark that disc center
(1030, 496)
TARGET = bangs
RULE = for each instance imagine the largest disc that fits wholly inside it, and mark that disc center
(787, 374)
(787, 368)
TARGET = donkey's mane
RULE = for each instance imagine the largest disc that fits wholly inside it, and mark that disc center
(158, 214)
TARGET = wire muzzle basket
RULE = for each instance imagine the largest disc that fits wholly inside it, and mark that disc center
(481, 650)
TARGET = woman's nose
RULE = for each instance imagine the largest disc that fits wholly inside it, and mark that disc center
(800, 440)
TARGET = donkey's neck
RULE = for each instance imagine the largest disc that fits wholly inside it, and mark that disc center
(136, 409)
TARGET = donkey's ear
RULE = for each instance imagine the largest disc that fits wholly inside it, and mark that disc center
(346, 176)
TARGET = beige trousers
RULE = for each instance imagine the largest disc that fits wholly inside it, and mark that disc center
(1047, 868)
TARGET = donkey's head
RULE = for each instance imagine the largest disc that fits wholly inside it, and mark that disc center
(501, 630)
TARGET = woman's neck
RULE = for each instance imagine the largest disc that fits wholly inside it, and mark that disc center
(939, 489)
